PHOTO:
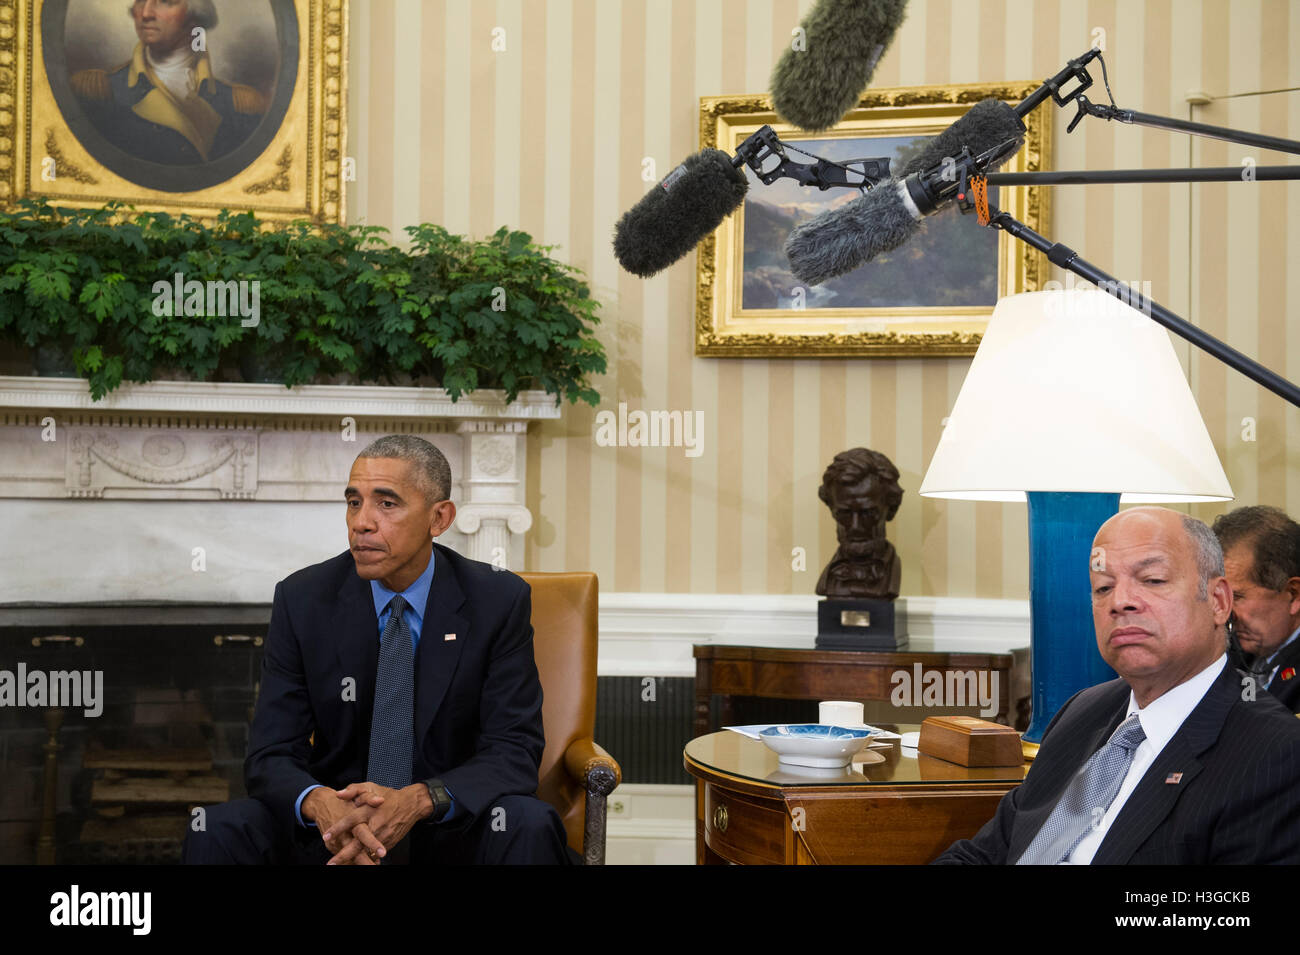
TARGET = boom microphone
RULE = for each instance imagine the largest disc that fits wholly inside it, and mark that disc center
(839, 240)
(987, 124)
(675, 215)
(813, 88)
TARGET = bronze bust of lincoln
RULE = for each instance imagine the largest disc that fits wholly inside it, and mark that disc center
(862, 491)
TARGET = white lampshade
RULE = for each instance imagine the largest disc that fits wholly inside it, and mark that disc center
(1072, 390)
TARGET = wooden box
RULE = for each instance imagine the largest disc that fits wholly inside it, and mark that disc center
(969, 741)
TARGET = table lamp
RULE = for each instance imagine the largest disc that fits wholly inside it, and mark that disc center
(1074, 402)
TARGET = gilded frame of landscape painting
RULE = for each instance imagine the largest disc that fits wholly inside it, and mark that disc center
(85, 120)
(931, 297)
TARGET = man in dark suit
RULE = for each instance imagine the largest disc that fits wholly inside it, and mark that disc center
(1261, 558)
(1174, 763)
(399, 697)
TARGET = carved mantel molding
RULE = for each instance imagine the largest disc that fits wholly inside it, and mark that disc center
(239, 398)
(237, 442)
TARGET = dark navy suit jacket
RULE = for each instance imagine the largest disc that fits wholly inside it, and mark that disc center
(478, 701)
(1286, 683)
(115, 119)
(1237, 800)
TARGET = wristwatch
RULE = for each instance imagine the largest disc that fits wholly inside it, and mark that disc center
(441, 800)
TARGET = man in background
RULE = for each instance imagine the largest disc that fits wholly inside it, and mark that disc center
(1261, 557)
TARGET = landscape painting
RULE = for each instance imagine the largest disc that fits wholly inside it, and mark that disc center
(951, 261)
(933, 295)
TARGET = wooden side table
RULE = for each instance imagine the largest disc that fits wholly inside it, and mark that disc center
(802, 674)
(902, 810)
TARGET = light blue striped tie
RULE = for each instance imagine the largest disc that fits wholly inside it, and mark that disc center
(1085, 801)
(392, 725)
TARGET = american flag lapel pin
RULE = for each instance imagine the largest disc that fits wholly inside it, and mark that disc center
(1173, 779)
(448, 637)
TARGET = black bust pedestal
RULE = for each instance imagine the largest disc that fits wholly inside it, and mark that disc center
(861, 623)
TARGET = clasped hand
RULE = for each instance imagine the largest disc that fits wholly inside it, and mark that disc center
(362, 821)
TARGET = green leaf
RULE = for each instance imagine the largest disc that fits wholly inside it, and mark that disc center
(331, 299)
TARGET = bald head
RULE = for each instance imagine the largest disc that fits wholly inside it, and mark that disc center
(1206, 550)
(1159, 598)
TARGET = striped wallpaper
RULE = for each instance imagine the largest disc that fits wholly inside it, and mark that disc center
(549, 133)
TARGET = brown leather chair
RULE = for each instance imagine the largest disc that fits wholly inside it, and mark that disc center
(576, 775)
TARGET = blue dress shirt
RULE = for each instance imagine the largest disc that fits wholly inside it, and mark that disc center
(416, 597)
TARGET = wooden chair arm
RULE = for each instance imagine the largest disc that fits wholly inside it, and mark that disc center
(598, 773)
(595, 769)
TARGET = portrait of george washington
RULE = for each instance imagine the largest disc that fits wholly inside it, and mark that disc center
(174, 95)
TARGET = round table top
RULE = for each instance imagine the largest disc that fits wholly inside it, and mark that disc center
(728, 753)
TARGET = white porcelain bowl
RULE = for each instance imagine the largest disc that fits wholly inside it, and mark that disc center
(814, 744)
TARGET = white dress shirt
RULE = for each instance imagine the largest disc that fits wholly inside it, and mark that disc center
(1160, 719)
(175, 71)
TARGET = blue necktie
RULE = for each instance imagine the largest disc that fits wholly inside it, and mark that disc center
(392, 725)
(1085, 801)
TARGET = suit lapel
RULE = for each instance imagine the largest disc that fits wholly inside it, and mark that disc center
(1289, 658)
(1152, 801)
(1287, 692)
(437, 656)
(357, 642)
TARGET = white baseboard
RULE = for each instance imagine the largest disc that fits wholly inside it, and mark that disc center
(651, 634)
(656, 825)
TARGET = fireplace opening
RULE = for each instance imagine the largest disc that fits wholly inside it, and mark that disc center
(116, 720)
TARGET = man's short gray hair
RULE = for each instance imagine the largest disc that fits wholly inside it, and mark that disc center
(430, 469)
(1209, 555)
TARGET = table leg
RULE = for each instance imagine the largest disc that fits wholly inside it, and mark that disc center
(703, 712)
(703, 697)
(728, 712)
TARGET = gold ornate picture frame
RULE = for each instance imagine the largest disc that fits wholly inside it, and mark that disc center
(933, 296)
(255, 121)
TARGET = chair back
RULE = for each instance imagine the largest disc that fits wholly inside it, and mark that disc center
(565, 637)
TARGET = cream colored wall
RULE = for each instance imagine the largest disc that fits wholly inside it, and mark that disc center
(549, 136)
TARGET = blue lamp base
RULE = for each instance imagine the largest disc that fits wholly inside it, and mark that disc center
(1063, 639)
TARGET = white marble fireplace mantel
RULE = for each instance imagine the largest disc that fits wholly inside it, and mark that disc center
(176, 490)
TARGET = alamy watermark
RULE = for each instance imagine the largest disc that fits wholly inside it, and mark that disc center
(195, 299)
(67, 688)
(1136, 295)
(651, 429)
(946, 688)
(75, 908)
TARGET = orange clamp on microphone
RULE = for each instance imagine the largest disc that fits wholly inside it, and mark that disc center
(980, 186)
